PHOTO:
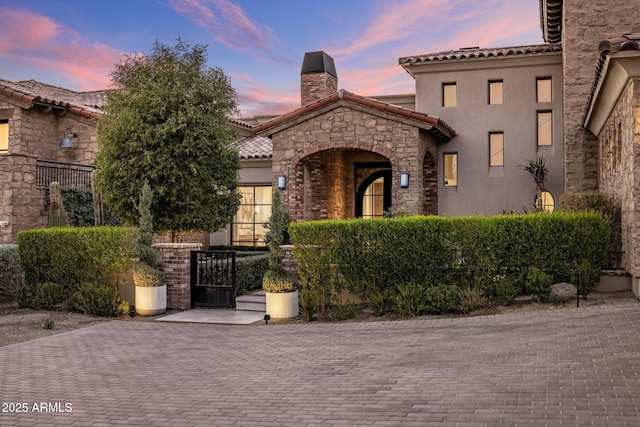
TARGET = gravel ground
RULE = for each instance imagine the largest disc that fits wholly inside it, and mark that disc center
(21, 324)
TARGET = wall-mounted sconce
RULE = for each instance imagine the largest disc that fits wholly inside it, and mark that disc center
(404, 180)
(66, 142)
(282, 182)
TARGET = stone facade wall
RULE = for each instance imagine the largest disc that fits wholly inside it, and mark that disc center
(429, 185)
(316, 86)
(344, 129)
(620, 169)
(174, 260)
(36, 134)
(585, 25)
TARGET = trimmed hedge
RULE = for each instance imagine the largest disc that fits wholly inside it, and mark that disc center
(69, 255)
(368, 257)
(249, 272)
(10, 272)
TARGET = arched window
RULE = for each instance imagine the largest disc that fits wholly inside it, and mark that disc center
(374, 195)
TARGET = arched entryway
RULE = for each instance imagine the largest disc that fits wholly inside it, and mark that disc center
(373, 197)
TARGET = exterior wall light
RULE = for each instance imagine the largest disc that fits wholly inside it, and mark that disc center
(404, 180)
(282, 182)
(66, 142)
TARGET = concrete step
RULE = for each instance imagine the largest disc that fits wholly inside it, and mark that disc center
(250, 306)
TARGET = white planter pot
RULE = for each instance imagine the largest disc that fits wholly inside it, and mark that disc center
(282, 305)
(151, 300)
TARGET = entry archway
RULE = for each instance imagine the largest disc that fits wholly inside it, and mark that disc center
(373, 197)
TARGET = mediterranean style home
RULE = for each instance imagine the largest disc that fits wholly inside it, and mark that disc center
(456, 146)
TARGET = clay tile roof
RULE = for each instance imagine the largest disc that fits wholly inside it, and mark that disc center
(254, 147)
(477, 53)
(84, 104)
(434, 125)
(606, 48)
(240, 123)
(551, 20)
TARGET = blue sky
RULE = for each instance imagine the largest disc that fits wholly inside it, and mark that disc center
(259, 44)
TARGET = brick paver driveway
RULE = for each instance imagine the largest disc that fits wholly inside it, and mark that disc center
(569, 366)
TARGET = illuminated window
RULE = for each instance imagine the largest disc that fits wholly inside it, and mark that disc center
(4, 135)
(496, 149)
(544, 128)
(543, 89)
(373, 200)
(546, 199)
(247, 227)
(495, 92)
(449, 94)
(451, 170)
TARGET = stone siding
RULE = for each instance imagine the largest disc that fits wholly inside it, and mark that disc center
(620, 169)
(311, 152)
(585, 25)
(316, 86)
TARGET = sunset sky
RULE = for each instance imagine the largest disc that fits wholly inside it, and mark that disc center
(260, 44)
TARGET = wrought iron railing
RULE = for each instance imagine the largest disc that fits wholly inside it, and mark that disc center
(67, 174)
(213, 279)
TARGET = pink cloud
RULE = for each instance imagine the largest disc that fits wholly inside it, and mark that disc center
(229, 24)
(30, 39)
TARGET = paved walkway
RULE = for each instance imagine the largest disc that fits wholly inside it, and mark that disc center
(569, 366)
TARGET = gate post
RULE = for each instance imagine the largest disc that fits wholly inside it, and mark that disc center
(174, 261)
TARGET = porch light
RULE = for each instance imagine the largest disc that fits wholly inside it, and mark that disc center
(66, 142)
(404, 180)
(282, 182)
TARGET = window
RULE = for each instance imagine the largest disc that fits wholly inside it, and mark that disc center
(543, 89)
(496, 149)
(495, 92)
(373, 200)
(449, 95)
(544, 128)
(451, 170)
(4, 135)
(247, 227)
(548, 204)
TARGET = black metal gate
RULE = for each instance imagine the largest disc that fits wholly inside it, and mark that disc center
(213, 279)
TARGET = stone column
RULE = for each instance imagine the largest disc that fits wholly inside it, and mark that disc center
(174, 259)
(289, 263)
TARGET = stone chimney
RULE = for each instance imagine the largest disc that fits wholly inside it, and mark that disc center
(318, 78)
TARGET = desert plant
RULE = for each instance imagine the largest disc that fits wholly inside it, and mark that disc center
(442, 298)
(146, 276)
(276, 282)
(41, 296)
(98, 299)
(49, 323)
(57, 215)
(344, 310)
(408, 299)
(586, 277)
(471, 298)
(539, 283)
(378, 301)
(506, 289)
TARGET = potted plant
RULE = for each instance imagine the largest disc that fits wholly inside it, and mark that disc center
(151, 294)
(280, 290)
(281, 295)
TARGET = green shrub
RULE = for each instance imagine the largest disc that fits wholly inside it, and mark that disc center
(506, 289)
(371, 256)
(308, 304)
(98, 299)
(471, 299)
(10, 272)
(589, 277)
(49, 323)
(344, 310)
(274, 281)
(442, 298)
(146, 276)
(409, 300)
(250, 271)
(539, 283)
(78, 203)
(41, 296)
(379, 301)
(65, 255)
(605, 204)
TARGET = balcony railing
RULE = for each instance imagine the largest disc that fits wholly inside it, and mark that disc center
(67, 174)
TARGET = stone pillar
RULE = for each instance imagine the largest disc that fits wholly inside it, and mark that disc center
(174, 259)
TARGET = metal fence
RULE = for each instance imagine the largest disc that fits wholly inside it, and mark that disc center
(67, 174)
(213, 279)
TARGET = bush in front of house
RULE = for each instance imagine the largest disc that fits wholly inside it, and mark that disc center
(371, 257)
(78, 268)
(10, 272)
(78, 203)
(249, 272)
(70, 255)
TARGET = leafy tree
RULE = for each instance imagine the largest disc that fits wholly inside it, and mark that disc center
(166, 123)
